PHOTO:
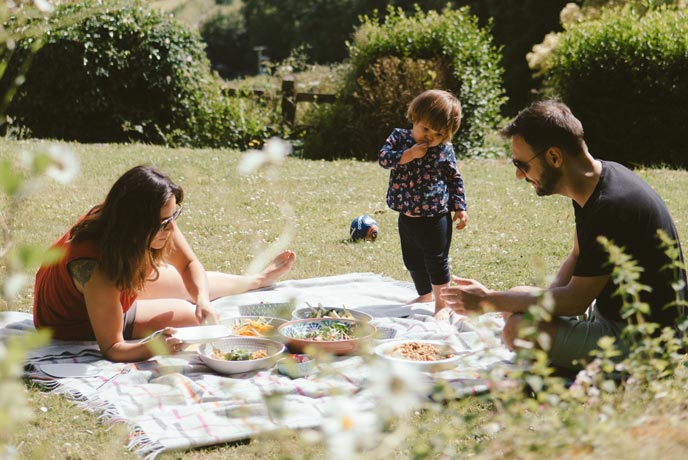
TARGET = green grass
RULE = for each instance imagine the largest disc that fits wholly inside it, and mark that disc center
(513, 237)
(193, 12)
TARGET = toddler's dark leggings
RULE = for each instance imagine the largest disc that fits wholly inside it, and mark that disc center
(425, 245)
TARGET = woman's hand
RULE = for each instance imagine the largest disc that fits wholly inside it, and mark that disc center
(206, 314)
(173, 344)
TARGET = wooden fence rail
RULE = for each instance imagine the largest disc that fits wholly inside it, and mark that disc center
(289, 96)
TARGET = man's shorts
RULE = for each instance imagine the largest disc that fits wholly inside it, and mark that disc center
(578, 337)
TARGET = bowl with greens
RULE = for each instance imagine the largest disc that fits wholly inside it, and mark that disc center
(338, 336)
(330, 312)
(235, 355)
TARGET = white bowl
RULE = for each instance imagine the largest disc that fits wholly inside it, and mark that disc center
(237, 322)
(274, 351)
(316, 312)
(274, 310)
(385, 351)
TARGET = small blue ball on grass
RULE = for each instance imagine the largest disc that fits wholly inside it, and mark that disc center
(364, 228)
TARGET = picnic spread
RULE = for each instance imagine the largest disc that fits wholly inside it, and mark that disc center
(179, 402)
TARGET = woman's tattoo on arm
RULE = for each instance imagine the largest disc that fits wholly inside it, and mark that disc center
(82, 269)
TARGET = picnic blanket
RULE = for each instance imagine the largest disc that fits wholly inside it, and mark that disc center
(176, 402)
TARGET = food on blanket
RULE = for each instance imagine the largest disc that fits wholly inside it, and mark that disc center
(331, 335)
(330, 312)
(252, 328)
(298, 358)
(322, 312)
(419, 351)
(364, 228)
(238, 354)
(330, 332)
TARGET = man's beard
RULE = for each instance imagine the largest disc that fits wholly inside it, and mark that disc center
(548, 180)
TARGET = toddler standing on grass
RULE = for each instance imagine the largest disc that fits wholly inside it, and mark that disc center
(425, 187)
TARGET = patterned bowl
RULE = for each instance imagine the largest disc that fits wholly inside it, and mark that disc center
(296, 366)
(251, 344)
(241, 325)
(389, 350)
(273, 310)
(327, 312)
(294, 334)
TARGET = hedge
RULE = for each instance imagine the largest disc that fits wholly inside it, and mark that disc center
(626, 77)
(384, 77)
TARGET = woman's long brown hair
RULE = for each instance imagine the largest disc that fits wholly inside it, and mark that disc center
(125, 224)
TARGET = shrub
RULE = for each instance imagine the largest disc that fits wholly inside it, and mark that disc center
(393, 62)
(625, 77)
(225, 35)
(116, 71)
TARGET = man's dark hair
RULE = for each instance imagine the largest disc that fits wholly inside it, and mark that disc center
(547, 124)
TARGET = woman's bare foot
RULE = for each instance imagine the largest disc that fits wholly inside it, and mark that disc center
(278, 267)
(421, 299)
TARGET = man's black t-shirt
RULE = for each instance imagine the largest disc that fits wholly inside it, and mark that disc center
(626, 210)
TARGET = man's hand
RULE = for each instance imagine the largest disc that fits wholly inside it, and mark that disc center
(465, 295)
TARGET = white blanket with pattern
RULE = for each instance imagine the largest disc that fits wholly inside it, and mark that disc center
(172, 403)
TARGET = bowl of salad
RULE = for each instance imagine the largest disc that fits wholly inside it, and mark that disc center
(235, 355)
(253, 326)
(330, 312)
(330, 335)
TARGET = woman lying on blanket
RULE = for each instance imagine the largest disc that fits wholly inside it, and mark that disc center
(127, 270)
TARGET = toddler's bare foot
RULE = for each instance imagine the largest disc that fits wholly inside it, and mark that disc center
(279, 266)
(421, 299)
(442, 313)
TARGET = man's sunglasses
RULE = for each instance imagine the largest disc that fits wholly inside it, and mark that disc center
(166, 221)
(523, 165)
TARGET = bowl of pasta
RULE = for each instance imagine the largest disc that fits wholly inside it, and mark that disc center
(424, 355)
(329, 335)
(235, 355)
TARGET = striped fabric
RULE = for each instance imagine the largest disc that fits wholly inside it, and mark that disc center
(172, 403)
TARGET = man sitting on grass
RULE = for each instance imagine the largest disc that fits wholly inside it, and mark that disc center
(549, 152)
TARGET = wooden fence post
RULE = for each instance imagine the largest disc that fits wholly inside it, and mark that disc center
(288, 100)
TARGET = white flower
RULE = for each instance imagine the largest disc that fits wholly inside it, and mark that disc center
(274, 151)
(44, 6)
(64, 166)
(14, 284)
(348, 428)
(398, 388)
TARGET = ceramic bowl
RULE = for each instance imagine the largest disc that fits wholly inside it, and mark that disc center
(386, 350)
(273, 310)
(318, 312)
(296, 366)
(292, 334)
(274, 350)
(240, 325)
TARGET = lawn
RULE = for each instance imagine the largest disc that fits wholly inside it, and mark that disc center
(513, 237)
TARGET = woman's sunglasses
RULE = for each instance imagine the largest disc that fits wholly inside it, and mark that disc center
(166, 221)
